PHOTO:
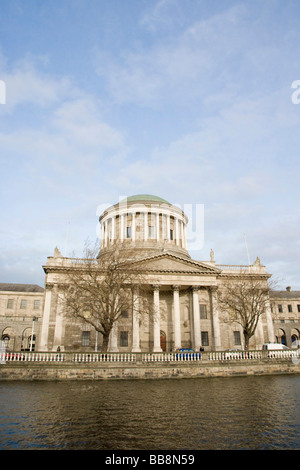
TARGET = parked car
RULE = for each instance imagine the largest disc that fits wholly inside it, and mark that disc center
(232, 353)
(274, 347)
(186, 353)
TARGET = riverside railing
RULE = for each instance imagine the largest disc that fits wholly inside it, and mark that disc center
(132, 358)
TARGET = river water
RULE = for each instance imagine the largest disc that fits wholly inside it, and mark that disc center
(194, 414)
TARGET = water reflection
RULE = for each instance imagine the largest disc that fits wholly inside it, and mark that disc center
(194, 414)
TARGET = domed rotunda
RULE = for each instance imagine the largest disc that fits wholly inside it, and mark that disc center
(146, 224)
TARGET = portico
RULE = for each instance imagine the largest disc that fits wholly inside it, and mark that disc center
(176, 307)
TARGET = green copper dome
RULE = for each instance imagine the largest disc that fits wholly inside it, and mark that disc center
(145, 198)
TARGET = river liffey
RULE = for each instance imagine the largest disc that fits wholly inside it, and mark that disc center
(195, 414)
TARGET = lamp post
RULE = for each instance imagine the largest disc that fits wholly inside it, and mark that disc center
(31, 340)
(96, 342)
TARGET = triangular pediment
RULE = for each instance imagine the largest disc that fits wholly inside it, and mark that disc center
(168, 262)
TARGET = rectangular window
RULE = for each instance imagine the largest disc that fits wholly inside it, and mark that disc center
(85, 338)
(204, 338)
(279, 308)
(124, 314)
(23, 304)
(298, 307)
(36, 304)
(171, 234)
(237, 338)
(123, 338)
(10, 303)
(128, 232)
(203, 312)
(290, 308)
(151, 231)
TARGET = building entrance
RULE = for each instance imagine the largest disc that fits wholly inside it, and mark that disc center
(163, 340)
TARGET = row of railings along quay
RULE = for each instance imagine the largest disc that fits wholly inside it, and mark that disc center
(139, 358)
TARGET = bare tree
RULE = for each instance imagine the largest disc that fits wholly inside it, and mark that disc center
(100, 288)
(245, 300)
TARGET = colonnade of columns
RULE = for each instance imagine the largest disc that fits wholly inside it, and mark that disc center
(116, 227)
(196, 327)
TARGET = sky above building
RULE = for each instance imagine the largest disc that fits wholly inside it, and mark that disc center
(189, 100)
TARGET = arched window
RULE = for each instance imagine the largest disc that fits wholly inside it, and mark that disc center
(295, 337)
(281, 336)
(8, 336)
(27, 344)
(6, 339)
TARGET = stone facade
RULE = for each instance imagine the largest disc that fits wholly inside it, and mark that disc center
(21, 314)
(182, 292)
(285, 307)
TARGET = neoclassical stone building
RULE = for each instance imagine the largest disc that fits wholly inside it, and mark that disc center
(182, 293)
(21, 315)
(285, 308)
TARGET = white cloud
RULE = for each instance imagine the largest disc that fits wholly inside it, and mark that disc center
(55, 151)
(205, 101)
(80, 121)
(25, 83)
(162, 15)
(63, 124)
(206, 57)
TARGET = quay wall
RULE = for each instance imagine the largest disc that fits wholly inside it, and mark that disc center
(119, 371)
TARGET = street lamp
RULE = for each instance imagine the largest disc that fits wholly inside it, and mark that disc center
(31, 340)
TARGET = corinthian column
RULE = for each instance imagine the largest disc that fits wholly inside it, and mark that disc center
(177, 231)
(121, 228)
(113, 339)
(113, 229)
(270, 327)
(215, 318)
(177, 331)
(156, 320)
(58, 332)
(133, 229)
(196, 318)
(145, 226)
(135, 322)
(46, 317)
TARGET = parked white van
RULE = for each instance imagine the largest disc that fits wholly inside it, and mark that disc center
(274, 347)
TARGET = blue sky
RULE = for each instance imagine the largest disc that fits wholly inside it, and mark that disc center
(188, 100)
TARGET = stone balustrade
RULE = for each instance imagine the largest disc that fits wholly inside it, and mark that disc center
(204, 357)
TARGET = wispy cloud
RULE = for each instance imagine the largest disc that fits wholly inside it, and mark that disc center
(187, 100)
(53, 160)
(218, 55)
